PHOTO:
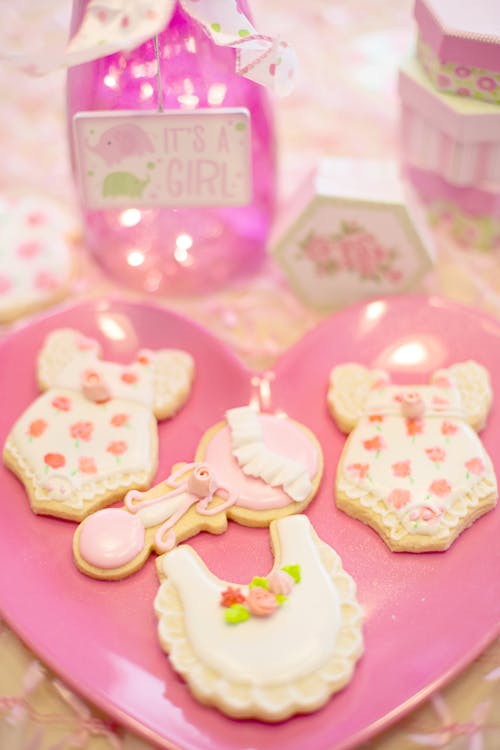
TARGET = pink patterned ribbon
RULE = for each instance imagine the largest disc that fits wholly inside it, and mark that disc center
(109, 26)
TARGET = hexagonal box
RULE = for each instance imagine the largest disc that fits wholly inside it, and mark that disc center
(459, 46)
(353, 231)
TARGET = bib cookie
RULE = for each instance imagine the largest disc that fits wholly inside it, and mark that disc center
(297, 645)
(251, 468)
(92, 435)
(414, 468)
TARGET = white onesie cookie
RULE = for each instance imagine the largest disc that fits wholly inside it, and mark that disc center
(414, 467)
(92, 434)
(280, 645)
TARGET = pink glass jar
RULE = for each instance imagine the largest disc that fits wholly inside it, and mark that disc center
(180, 250)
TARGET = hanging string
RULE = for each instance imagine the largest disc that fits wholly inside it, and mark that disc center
(159, 84)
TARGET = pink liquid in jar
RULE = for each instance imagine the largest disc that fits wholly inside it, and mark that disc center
(180, 251)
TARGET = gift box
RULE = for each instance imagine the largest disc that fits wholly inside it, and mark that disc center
(459, 46)
(455, 137)
(353, 230)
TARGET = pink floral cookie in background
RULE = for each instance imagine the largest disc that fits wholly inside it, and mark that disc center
(281, 645)
(252, 468)
(92, 435)
(37, 260)
(413, 468)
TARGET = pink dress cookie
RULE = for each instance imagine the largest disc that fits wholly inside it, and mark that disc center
(252, 468)
(92, 434)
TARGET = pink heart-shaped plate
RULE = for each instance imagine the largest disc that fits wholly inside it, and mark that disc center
(426, 615)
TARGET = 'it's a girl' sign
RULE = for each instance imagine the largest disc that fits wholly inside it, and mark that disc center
(170, 159)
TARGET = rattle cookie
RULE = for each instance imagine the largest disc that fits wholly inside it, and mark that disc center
(283, 644)
(251, 468)
(413, 467)
(92, 435)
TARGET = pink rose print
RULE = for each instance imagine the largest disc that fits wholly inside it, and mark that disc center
(81, 430)
(414, 427)
(318, 249)
(143, 359)
(398, 498)
(54, 460)
(441, 382)
(28, 249)
(425, 513)
(401, 469)
(360, 252)
(376, 418)
(87, 465)
(485, 83)
(359, 470)
(462, 91)
(37, 428)
(261, 602)
(475, 466)
(117, 447)
(448, 428)
(437, 455)
(129, 377)
(45, 281)
(444, 82)
(393, 275)
(462, 72)
(62, 403)
(374, 444)
(5, 283)
(439, 401)
(440, 487)
(120, 420)
(398, 398)
(35, 218)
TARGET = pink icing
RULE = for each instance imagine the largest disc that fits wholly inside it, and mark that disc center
(110, 538)
(280, 435)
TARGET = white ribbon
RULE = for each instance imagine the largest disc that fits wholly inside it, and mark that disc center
(109, 26)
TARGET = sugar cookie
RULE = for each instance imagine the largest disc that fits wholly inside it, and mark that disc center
(92, 435)
(297, 644)
(37, 259)
(413, 467)
(251, 468)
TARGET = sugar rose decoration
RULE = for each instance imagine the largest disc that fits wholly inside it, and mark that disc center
(262, 597)
(351, 250)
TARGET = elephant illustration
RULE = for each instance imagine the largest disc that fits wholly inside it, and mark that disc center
(123, 183)
(120, 141)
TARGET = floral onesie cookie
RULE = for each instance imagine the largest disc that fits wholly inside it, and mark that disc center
(280, 645)
(251, 468)
(92, 434)
(36, 255)
(414, 467)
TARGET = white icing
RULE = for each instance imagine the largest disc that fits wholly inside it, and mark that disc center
(446, 461)
(56, 439)
(35, 258)
(153, 515)
(257, 460)
(295, 641)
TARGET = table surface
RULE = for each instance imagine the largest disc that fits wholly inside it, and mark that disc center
(349, 52)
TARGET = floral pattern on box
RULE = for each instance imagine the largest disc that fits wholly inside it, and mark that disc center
(353, 250)
(461, 80)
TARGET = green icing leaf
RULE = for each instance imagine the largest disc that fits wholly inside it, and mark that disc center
(243, 33)
(236, 613)
(215, 26)
(241, 125)
(281, 599)
(294, 571)
(258, 581)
